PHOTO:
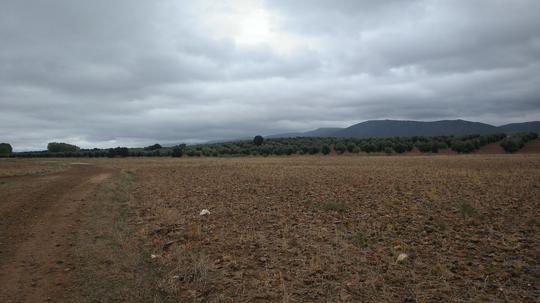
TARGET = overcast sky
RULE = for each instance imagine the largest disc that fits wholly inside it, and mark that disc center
(108, 73)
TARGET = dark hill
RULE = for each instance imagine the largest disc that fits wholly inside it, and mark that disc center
(533, 126)
(403, 128)
(393, 128)
(319, 132)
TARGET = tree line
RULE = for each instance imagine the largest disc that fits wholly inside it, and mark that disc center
(292, 146)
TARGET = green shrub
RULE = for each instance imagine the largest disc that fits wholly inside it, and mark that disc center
(340, 148)
(467, 210)
(517, 141)
(512, 144)
(153, 147)
(335, 206)
(325, 149)
(59, 147)
(359, 239)
(178, 151)
(258, 140)
(314, 150)
(5, 149)
(118, 151)
(400, 148)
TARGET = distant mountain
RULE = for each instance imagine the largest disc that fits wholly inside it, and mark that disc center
(403, 128)
(394, 128)
(319, 132)
(533, 126)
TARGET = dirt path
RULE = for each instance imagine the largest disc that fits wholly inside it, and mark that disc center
(39, 220)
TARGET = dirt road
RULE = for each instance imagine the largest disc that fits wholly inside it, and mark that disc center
(39, 220)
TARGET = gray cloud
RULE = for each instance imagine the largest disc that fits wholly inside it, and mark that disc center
(104, 73)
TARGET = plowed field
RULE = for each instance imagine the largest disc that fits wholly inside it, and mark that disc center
(437, 228)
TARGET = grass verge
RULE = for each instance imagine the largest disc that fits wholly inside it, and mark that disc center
(113, 265)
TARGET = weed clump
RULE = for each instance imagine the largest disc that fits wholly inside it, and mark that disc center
(335, 206)
(467, 210)
(359, 239)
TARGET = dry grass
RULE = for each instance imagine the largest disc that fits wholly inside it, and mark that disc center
(21, 167)
(113, 265)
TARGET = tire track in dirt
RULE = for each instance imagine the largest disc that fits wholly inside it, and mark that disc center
(39, 219)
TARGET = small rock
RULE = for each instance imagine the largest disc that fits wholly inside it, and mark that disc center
(346, 297)
(152, 256)
(401, 257)
(204, 212)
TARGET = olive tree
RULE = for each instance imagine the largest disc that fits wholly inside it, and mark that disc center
(5, 149)
(258, 140)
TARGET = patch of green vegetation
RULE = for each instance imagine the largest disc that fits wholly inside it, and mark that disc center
(359, 239)
(441, 225)
(115, 264)
(516, 141)
(335, 206)
(293, 146)
(467, 210)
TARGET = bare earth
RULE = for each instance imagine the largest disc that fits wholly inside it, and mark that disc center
(428, 228)
(39, 216)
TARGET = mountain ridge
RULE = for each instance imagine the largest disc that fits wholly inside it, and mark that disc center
(403, 128)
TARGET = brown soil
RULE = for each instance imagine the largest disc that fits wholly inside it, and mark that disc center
(40, 215)
(491, 148)
(327, 229)
(531, 147)
(281, 229)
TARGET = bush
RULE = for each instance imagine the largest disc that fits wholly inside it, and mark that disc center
(400, 148)
(424, 147)
(314, 150)
(335, 206)
(463, 147)
(516, 141)
(340, 148)
(178, 151)
(258, 140)
(289, 150)
(368, 148)
(118, 151)
(59, 147)
(512, 144)
(427, 147)
(153, 147)
(5, 149)
(325, 149)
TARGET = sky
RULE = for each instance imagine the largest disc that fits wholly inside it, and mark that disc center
(107, 73)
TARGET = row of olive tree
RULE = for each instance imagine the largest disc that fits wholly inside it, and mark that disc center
(293, 146)
(317, 145)
(516, 141)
